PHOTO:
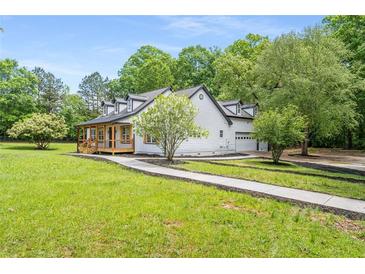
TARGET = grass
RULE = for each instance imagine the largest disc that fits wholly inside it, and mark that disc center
(53, 205)
(248, 169)
(291, 167)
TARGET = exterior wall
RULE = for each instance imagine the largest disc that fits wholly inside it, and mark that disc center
(136, 104)
(122, 107)
(209, 118)
(232, 108)
(110, 109)
(249, 110)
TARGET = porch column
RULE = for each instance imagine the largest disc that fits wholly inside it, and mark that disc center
(104, 135)
(113, 139)
(96, 137)
(78, 137)
(83, 134)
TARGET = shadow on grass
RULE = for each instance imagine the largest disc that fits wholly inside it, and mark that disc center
(269, 163)
(32, 148)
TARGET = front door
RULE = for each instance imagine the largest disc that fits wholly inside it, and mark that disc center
(110, 137)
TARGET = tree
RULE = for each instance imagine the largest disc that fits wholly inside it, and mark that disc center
(74, 111)
(154, 74)
(195, 66)
(93, 89)
(170, 121)
(306, 70)
(18, 92)
(144, 64)
(51, 90)
(234, 77)
(249, 48)
(351, 31)
(280, 128)
(40, 128)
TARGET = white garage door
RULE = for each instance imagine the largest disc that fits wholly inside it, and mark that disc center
(245, 142)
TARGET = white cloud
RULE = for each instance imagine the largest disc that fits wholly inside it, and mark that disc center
(56, 68)
(107, 49)
(221, 25)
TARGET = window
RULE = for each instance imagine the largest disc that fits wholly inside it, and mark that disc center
(149, 139)
(93, 133)
(100, 134)
(221, 133)
(129, 105)
(238, 108)
(201, 96)
(125, 134)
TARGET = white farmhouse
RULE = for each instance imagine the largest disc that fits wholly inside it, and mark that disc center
(229, 124)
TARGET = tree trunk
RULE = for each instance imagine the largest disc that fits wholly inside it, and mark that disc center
(305, 144)
(349, 139)
(276, 154)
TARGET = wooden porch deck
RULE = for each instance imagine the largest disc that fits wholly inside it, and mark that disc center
(107, 138)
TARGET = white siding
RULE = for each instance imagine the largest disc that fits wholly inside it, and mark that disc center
(210, 118)
(232, 108)
(249, 110)
(136, 104)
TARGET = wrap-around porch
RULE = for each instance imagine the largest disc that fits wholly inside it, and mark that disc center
(109, 138)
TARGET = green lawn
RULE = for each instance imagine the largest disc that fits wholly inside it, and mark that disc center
(53, 205)
(300, 181)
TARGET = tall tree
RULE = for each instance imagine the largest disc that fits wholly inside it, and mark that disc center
(351, 31)
(307, 70)
(18, 92)
(250, 47)
(93, 89)
(194, 66)
(148, 62)
(234, 77)
(51, 91)
(74, 111)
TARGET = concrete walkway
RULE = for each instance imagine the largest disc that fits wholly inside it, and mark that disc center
(351, 207)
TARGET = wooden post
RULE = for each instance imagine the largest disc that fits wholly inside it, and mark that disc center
(83, 134)
(96, 137)
(113, 139)
(78, 137)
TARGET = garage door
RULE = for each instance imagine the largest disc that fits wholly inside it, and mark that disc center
(245, 142)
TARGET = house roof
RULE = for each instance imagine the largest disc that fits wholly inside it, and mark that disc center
(150, 96)
(106, 103)
(191, 91)
(229, 103)
(119, 100)
(229, 113)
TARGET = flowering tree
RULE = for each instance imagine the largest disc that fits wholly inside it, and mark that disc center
(40, 128)
(281, 129)
(170, 121)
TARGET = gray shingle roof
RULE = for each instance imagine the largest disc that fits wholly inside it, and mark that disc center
(228, 103)
(229, 113)
(150, 96)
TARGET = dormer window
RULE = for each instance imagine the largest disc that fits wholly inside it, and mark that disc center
(238, 109)
(129, 105)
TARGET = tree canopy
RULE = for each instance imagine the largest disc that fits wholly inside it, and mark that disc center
(194, 66)
(93, 89)
(18, 92)
(40, 128)
(147, 69)
(306, 70)
(281, 128)
(50, 91)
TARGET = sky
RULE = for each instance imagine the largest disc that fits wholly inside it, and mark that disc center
(74, 46)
